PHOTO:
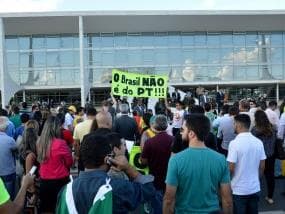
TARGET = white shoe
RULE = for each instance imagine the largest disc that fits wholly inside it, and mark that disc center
(269, 200)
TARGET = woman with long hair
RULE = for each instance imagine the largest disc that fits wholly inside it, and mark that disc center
(55, 160)
(28, 158)
(264, 130)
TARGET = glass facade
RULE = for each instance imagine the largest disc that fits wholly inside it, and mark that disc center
(43, 60)
(186, 57)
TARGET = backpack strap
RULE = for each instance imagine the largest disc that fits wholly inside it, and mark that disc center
(103, 190)
(69, 199)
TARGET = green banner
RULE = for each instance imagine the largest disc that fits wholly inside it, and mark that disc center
(138, 85)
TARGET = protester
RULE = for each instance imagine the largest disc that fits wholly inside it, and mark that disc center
(264, 130)
(246, 159)
(16, 206)
(55, 161)
(120, 196)
(159, 144)
(7, 162)
(196, 175)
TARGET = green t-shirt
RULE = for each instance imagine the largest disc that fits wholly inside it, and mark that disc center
(4, 195)
(197, 173)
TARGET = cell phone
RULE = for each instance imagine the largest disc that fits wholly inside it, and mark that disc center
(33, 169)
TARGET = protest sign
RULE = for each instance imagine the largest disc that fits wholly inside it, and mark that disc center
(138, 85)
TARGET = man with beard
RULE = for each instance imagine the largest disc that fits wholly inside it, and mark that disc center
(197, 172)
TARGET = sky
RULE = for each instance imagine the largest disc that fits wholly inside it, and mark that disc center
(81, 5)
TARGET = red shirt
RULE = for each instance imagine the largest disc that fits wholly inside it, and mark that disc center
(67, 136)
(59, 161)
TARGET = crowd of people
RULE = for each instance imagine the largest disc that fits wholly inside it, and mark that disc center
(199, 158)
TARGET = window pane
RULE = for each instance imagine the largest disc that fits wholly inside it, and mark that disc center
(252, 55)
(107, 41)
(175, 56)
(214, 56)
(276, 55)
(148, 57)
(66, 58)
(227, 55)
(160, 41)
(24, 43)
(174, 41)
(161, 57)
(226, 40)
(200, 40)
(11, 43)
(276, 39)
(201, 56)
(187, 40)
(121, 57)
(52, 59)
(226, 73)
(12, 59)
(38, 42)
(239, 55)
(67, 42)
(239, 40)
(96, 58)
(96, 42)
(135, 57)
(239, 72)
(108, 58)
(120, 41)
(213, 40)
(133, 41)
(252, 72)
(39, 59)
(53, 42)
(24, 60)
(252, 40)
(277, 71)
(188, 56)
(147, 41)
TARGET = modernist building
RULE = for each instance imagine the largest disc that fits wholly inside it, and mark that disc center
(69, 55)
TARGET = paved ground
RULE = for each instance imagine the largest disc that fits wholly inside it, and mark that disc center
(279, 206)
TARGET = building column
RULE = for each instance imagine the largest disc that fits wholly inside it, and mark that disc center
(24, 96)
(217, 88)
(8, 86)
(277, 92)
(83, 78)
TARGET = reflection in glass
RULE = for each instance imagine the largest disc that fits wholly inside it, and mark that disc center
(38, 42)
(13, 59)
(66, 58)
(276, 39)
(161, 57)
(24, 60)
(239, 40)
(277, 71)
(11, 43)
(53, 42)
(67, 42)
(39, 59)
(213, 40)
(24, 43)
(53, 59)
(252, 73)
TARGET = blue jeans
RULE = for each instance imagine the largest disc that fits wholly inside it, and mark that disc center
(156, 203)
(246, 204)
(10, 182)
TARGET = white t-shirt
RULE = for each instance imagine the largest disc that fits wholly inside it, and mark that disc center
(68, 121)
(246, 151)
(177, 117)
(272, 117)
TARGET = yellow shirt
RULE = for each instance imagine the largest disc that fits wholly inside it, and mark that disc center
(82, 129)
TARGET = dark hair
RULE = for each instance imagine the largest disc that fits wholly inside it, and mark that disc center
(262, 104)
(225, 109)
(243, 119)
(3, 112)
(91, 111)
(199, 124)
(233, 110)
(24, 105)
(24, 117)
(33, 107)
(94, 126)
(61, 118)
(114, 140)
(272, 103)
(135, 113)
(207, 107)
(30, 136)
(244, 104)
(38, 116)
(16, 110)
(262, 123)
(146, 119)
(197, 110)
(94, 149)
(160, 122)
(179, 102)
